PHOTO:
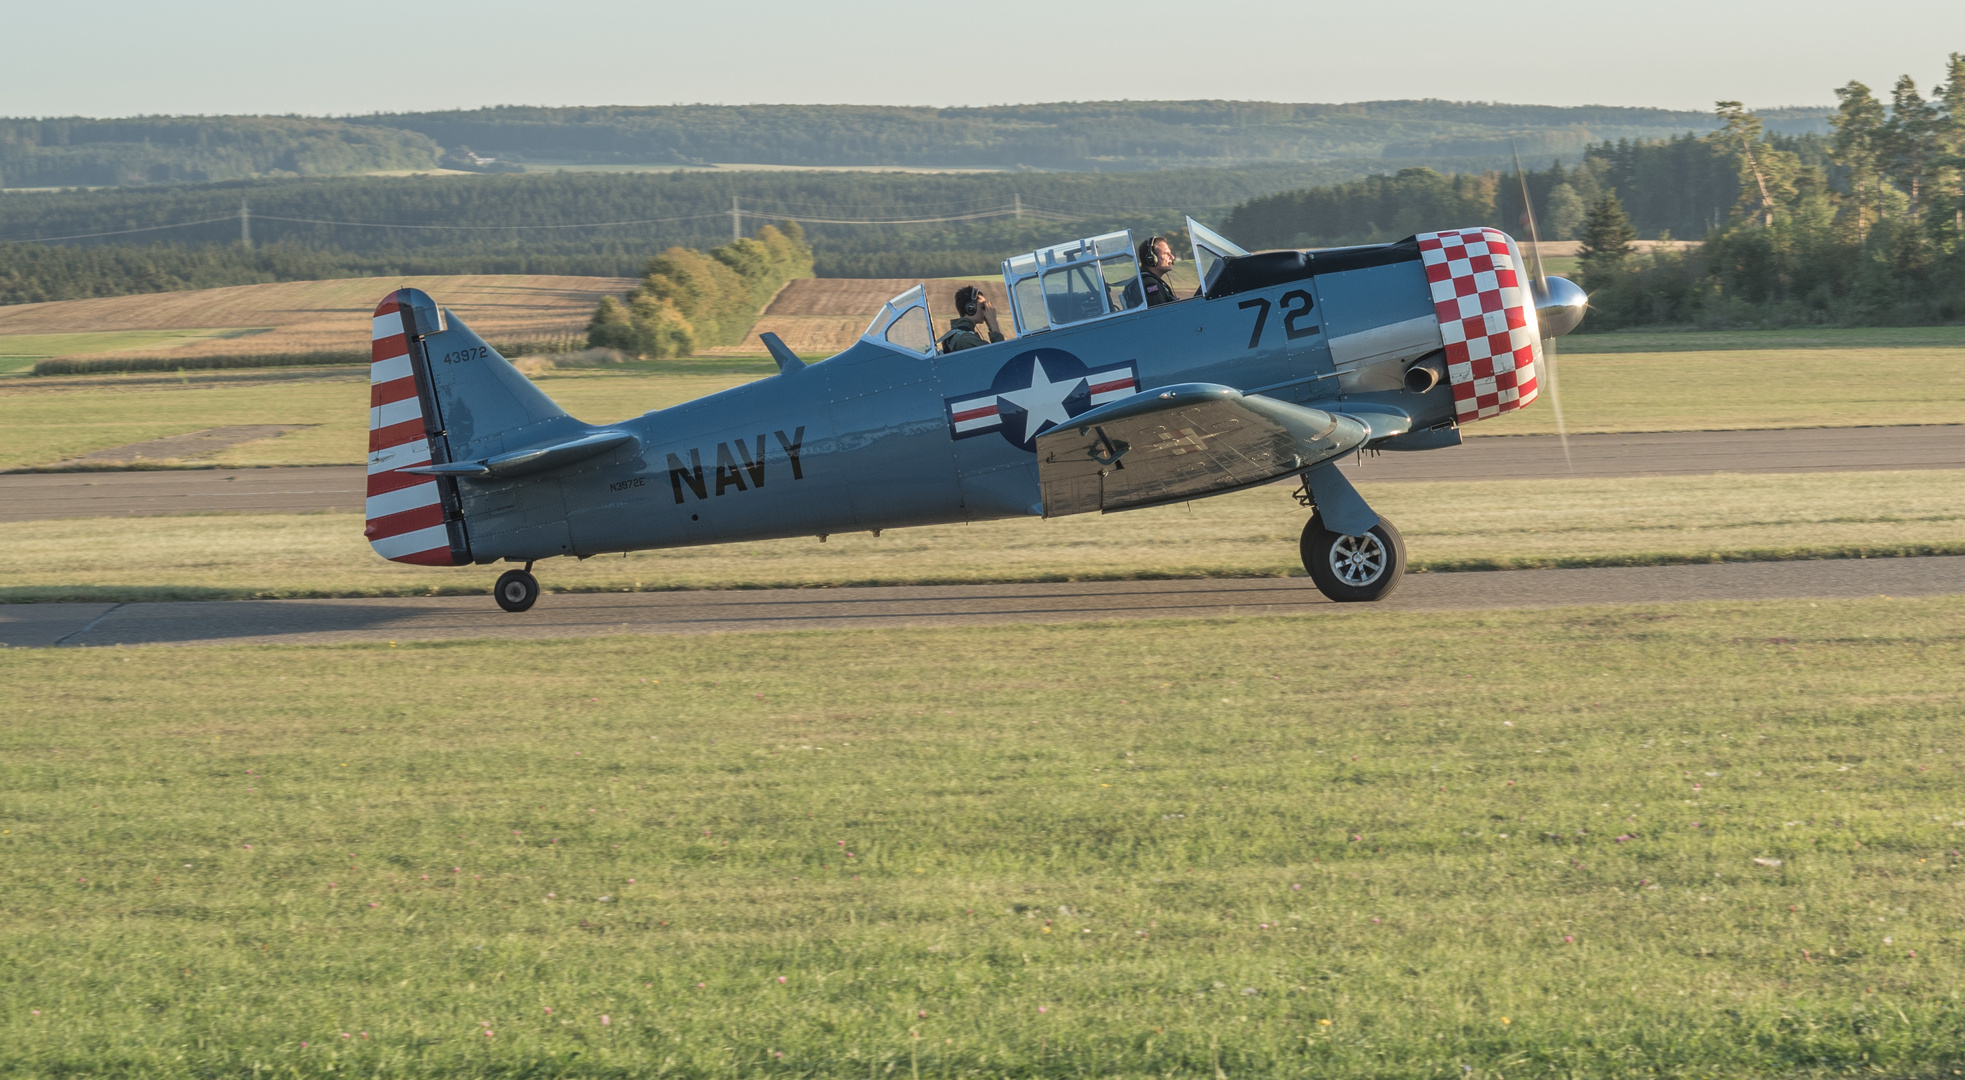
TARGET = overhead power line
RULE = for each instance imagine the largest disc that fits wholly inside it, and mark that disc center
(1017, 209)
(125, 232)
(1007, 210)
(488, 228)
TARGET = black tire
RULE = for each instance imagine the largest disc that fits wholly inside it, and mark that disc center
(1354, 569)
(516, 590)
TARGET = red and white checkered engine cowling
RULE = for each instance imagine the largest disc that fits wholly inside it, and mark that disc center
(1487, 319)
(405, 511)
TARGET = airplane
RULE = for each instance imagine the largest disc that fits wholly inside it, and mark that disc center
(1284, 362)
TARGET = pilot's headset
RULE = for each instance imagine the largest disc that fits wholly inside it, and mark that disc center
(965, 301)
(1148, 257)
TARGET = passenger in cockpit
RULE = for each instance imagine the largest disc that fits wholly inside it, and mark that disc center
(1156, 261)
(971, 302)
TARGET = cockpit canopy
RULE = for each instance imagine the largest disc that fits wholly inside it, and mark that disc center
(1066, 284)
(1075, 282)
(904, 324)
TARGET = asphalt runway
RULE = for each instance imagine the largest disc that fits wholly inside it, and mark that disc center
(35, 496)
(39, 496)
(320, 622)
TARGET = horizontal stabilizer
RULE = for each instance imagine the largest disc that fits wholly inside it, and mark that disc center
(788, 361)
(532, 459)
(1183, 442)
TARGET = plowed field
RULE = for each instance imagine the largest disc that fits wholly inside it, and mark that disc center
(308, 316)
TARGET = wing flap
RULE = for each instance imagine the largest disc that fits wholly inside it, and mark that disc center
(1183, 442)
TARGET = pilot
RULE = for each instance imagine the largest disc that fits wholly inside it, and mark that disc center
(1156, 261)
(973, 304)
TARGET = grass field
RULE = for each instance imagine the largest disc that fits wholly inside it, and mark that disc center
(1949, 340)
(1689, 841)
(1654, 390)
(1448, 526)
(49, 424)
(19, 351)
(1724, 386)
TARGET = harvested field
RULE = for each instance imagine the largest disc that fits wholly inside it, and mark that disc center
(307, 316)
(824, 316)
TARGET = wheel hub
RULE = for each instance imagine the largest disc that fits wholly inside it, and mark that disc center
(1357, 560)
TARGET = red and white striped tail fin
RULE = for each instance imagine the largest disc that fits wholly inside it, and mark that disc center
(405, 510)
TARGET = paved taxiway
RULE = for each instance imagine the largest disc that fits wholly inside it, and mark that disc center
(34, 496)
(583, 615)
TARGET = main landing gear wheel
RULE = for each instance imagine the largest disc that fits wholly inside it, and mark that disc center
(1354, 569)
(516, 590)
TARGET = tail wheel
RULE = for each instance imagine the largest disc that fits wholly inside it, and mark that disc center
(516, 590)
(1354, 569)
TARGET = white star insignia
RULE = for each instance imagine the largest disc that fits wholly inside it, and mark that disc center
(1043, 400)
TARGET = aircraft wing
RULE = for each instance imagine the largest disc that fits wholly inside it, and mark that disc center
(1183, 442)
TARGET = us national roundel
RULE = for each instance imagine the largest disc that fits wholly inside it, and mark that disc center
(1035, 391)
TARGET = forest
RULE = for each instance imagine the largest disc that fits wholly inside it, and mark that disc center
(1108, 135)
(138, 240)
(1074, 136)
(1684, 186)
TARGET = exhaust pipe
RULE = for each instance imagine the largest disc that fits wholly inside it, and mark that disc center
(1429, 372)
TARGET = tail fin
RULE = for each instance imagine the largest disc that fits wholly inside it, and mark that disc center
(437, 394)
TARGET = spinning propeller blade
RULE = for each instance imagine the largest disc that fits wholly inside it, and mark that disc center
(1542, 290)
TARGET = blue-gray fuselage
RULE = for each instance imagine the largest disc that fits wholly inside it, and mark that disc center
(868, 439)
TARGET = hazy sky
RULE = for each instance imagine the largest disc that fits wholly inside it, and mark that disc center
(118, 58)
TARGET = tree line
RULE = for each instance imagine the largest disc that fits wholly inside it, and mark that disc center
(689, 300)
(1683, 186)
(1874, 234)
(1861, 225)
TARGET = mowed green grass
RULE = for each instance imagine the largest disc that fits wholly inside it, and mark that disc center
(1732, 388)
(1792, 338)
(1447, 526)
(48, 424)
(1609, 383)
(1693, 840)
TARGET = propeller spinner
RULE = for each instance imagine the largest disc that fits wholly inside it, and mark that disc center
(1559, 304)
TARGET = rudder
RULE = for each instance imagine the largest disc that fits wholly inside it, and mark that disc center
(411, 518)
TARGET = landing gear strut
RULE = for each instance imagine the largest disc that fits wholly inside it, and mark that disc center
(1354, 569)
(516, 589)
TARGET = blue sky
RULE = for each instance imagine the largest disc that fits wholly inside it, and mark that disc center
(118, 58)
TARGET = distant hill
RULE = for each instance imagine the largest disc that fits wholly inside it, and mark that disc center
(1107, 136)
(1124, 135)
(80, 152)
